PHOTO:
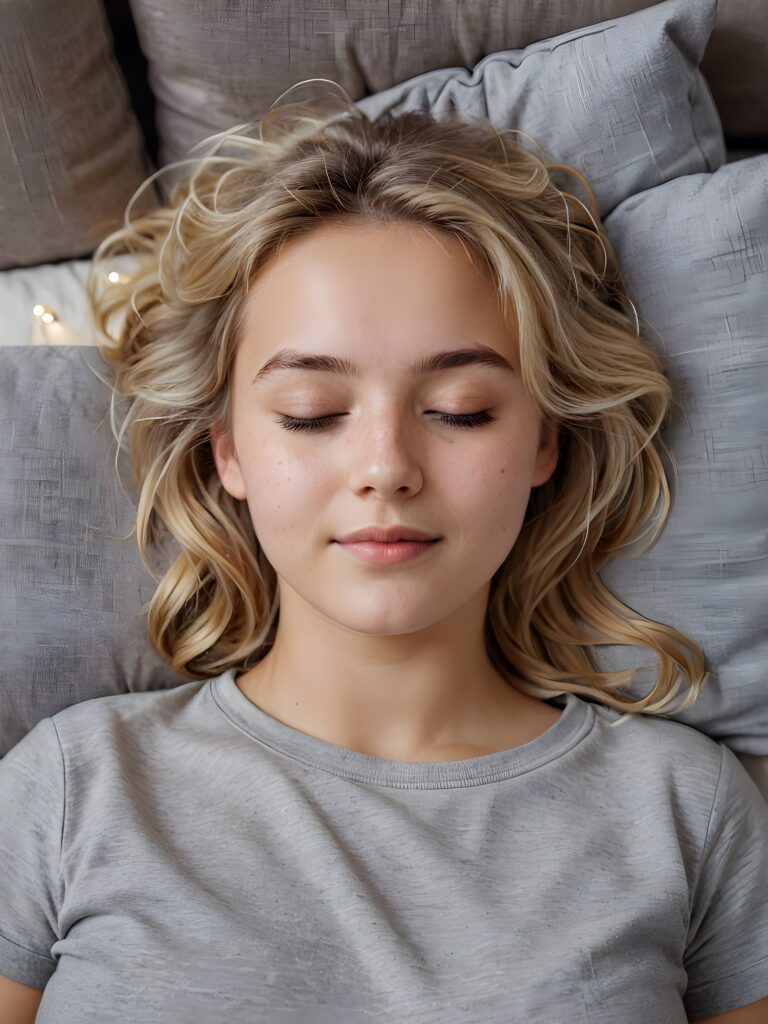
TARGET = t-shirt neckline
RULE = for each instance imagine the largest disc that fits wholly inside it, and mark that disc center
(571, 727)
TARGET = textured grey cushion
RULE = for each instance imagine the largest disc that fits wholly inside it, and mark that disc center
(213, 65)
(622, 101)
(71, 593)
(694, 253)
(71, 150)
(70, 627)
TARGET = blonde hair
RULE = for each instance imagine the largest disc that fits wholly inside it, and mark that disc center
(581, 358)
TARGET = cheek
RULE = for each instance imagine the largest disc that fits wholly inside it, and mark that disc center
(501, 470)
(283, 488)
(494, 489)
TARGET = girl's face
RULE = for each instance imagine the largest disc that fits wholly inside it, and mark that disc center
(382, 298)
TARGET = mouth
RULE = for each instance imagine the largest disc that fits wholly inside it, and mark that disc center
(387, 553)
(385, 543)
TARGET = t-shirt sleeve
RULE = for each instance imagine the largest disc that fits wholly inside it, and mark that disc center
(726, 955)
(31, 821)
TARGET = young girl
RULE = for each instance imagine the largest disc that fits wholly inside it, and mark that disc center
(387, 398)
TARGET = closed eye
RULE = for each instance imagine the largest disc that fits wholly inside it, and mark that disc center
(467, 420)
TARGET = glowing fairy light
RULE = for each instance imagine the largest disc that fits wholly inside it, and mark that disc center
(48, 329)
(45, 313)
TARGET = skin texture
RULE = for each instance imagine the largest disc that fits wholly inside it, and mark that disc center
(386, 660)
(18, 1003)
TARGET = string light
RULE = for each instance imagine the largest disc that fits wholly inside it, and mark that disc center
(49, 330)
(45, 313)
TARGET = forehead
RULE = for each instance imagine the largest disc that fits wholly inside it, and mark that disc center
(351, 297)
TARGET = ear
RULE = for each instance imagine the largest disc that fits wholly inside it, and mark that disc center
(549, 450)
(225, 458)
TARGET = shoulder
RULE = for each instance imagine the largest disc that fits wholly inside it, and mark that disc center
(125, 705)
(99, 722)
(661, 763)
(656, 740)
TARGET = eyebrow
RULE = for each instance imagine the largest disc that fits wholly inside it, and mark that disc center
(293, 359)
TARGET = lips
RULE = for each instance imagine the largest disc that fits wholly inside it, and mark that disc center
(392, 540)
(388, 535)
(388, 552)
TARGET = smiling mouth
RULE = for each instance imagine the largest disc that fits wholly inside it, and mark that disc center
(402, 540)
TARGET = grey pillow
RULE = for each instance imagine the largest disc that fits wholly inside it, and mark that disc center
(622, 101)
(694, 254)
(71, 150)
(71, 602)
(70, 606)
(213, 65)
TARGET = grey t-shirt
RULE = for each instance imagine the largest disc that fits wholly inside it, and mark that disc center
(182, 856)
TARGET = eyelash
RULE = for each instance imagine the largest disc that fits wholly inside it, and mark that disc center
(467, 421)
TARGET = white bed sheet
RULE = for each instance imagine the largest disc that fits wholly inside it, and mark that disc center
(60, 287)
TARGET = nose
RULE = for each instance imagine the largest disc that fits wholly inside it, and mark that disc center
(385, 455)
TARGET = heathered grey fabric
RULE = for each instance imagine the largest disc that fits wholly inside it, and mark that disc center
(180, 855)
